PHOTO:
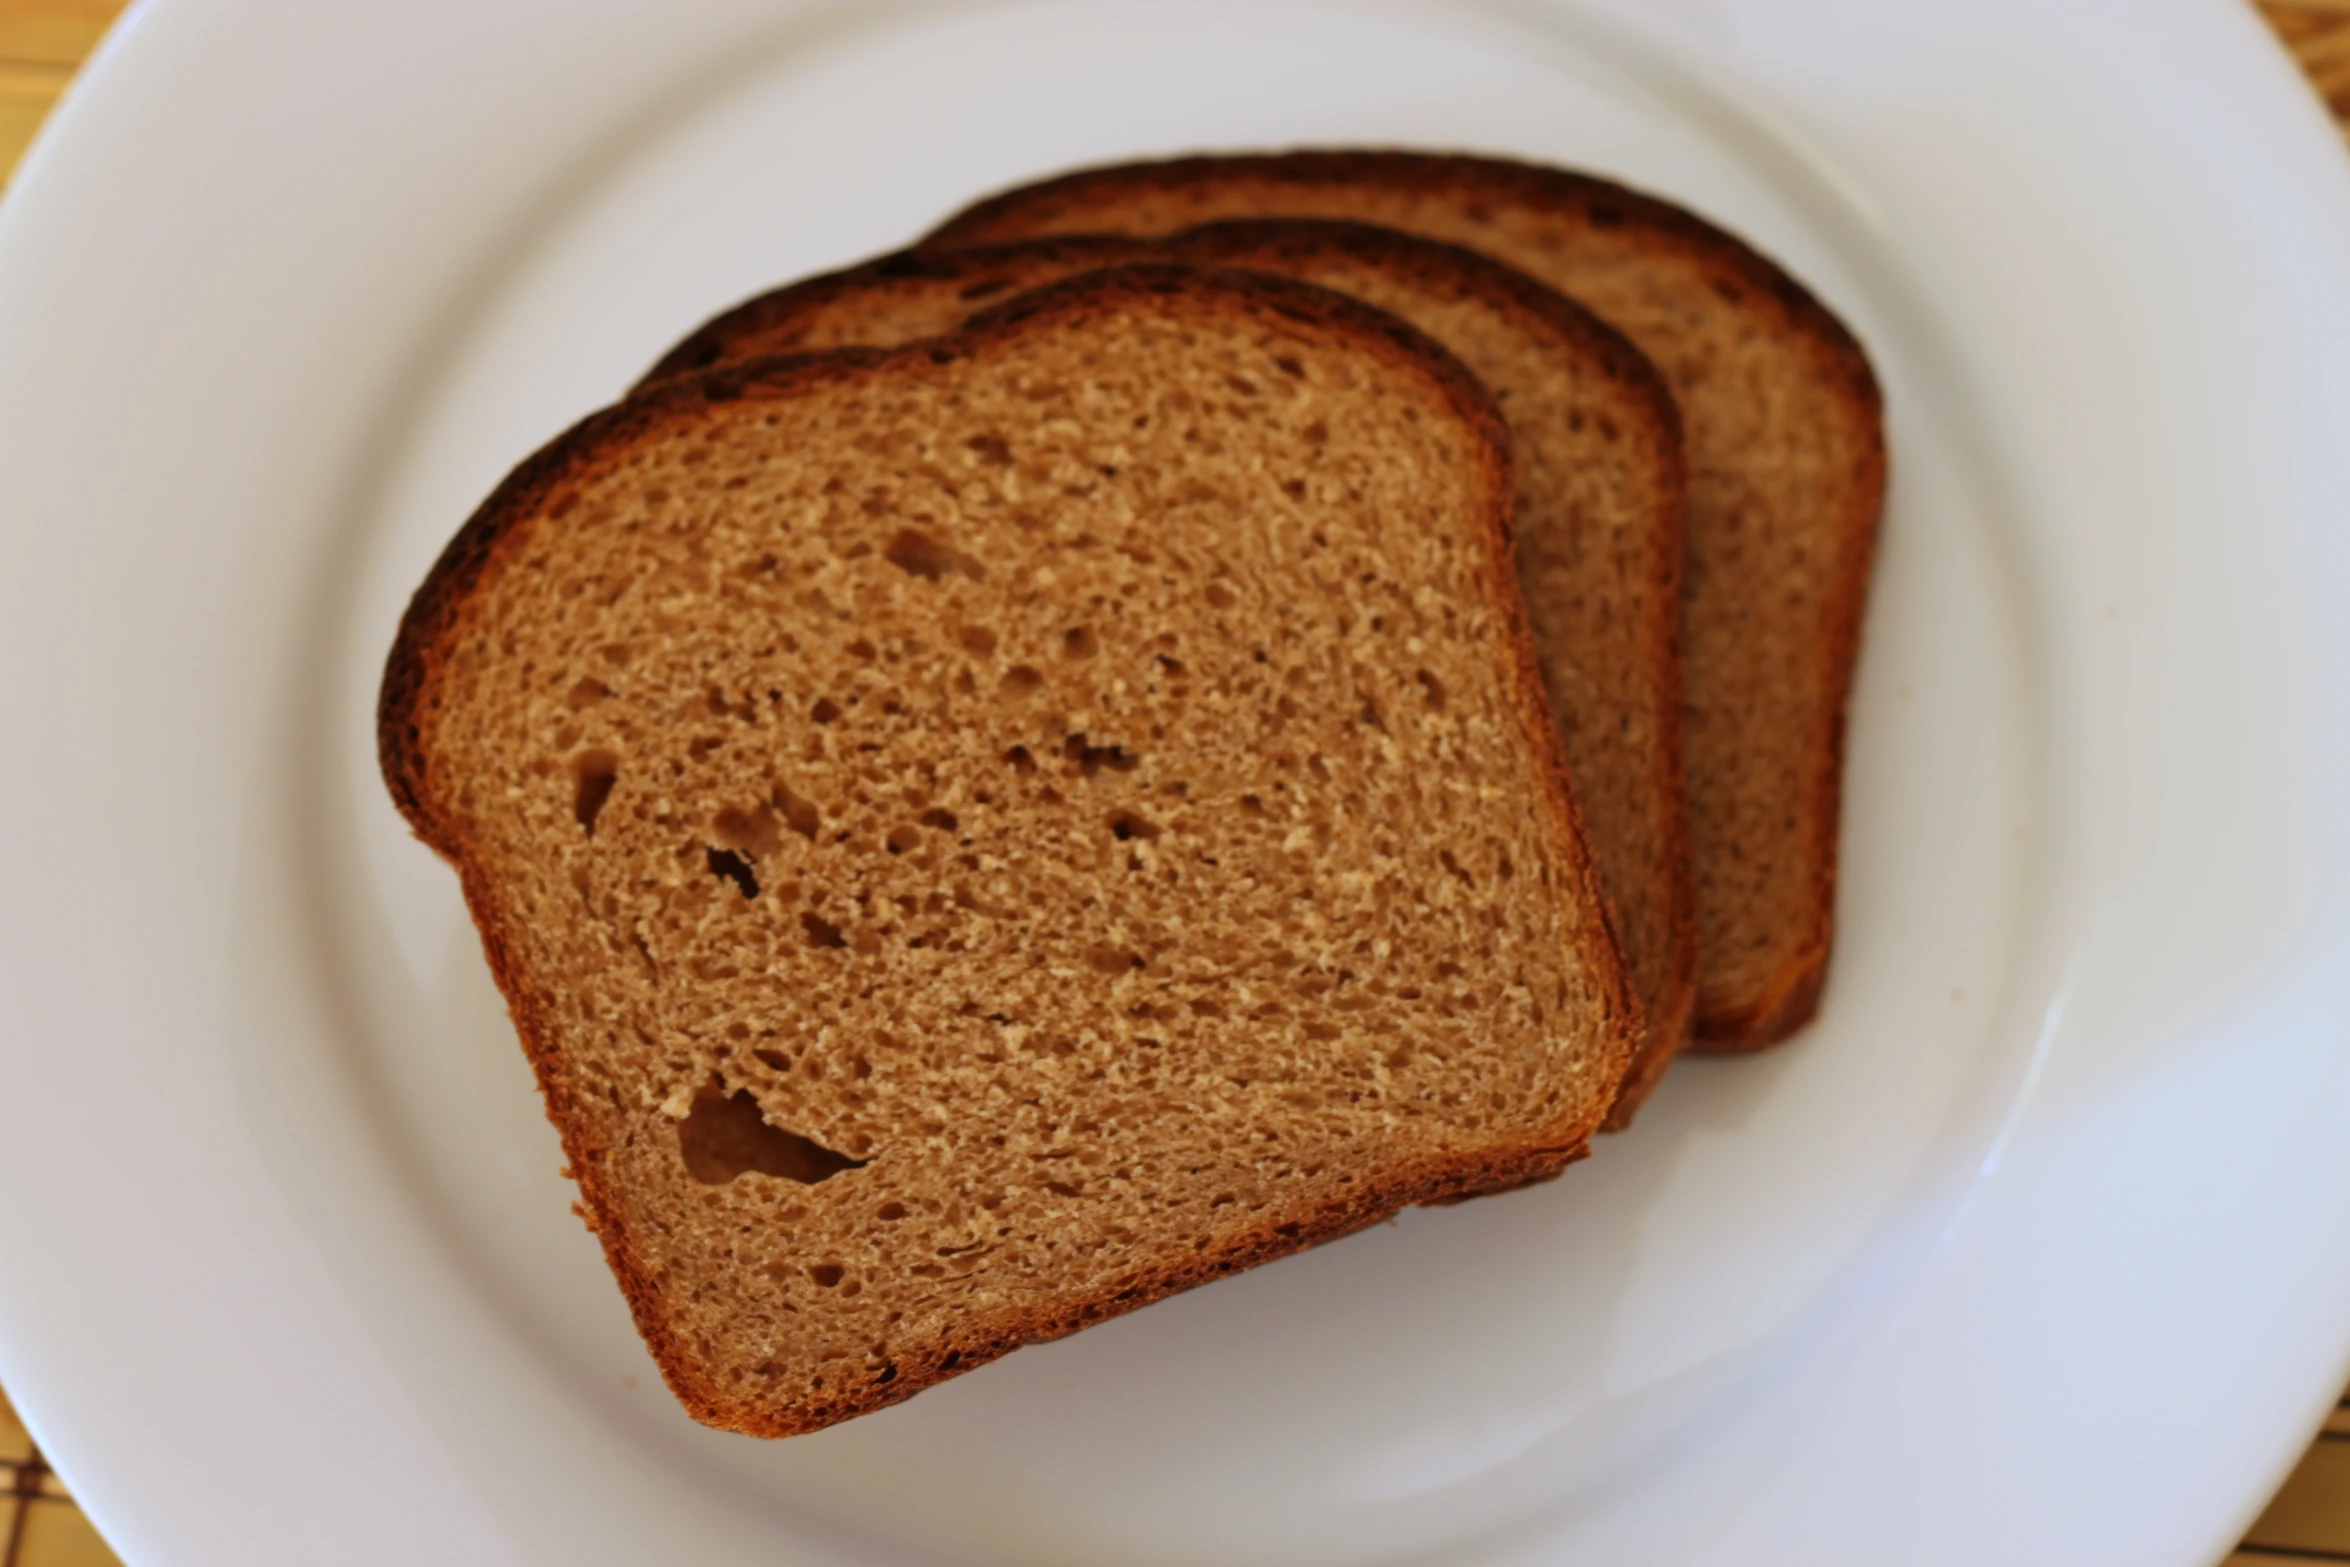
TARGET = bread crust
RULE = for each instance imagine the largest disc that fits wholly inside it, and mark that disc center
(779, 312)
(533, 496)
(1768, 1008)
(784, 315)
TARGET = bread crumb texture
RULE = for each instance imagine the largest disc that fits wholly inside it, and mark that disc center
(1786, 455)
(980, 836)
(1600, 511)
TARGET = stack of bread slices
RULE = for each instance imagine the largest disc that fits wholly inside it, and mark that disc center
(1205, 703)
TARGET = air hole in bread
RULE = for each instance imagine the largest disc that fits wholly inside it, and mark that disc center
(1020, 679)
(827, 1275)
(825, 710)
(1020, 760)
(1125, 825)
(992, 448)
(724, 1135)
(593, 774)
(1220, 597)
(918, 554)
(943, 820)
(822, 932)
(902, 839)
(1078, 643)
(730, 866)
(588, 692)
(977, 640)
(1434, 689)
(1091, 759)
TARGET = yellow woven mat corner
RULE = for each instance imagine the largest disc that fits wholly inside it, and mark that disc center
(42, 42)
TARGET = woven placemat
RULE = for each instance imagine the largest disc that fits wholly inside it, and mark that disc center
(42, 42)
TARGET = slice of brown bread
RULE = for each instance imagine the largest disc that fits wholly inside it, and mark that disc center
(1786, 473)
(1600, 507)
(980, 836)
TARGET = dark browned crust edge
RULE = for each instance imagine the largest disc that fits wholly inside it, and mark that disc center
(1789, 996)
(719, 340)
(1024, 211)
(435, 614)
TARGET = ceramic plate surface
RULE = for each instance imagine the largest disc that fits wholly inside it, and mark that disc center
(2030, 1251)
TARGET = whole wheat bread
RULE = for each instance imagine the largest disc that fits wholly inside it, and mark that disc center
(1599, 523)
(1786, 473)
(980, 836)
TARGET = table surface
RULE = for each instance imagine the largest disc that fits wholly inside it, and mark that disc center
(42, 43)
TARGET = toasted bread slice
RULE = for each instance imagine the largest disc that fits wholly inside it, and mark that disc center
(980, 836)
(1786, 473)
(1600, 508)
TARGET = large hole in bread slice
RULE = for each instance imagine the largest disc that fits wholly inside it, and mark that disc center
(724, 1136)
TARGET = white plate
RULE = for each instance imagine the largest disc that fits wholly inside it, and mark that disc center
(2031, 1252)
